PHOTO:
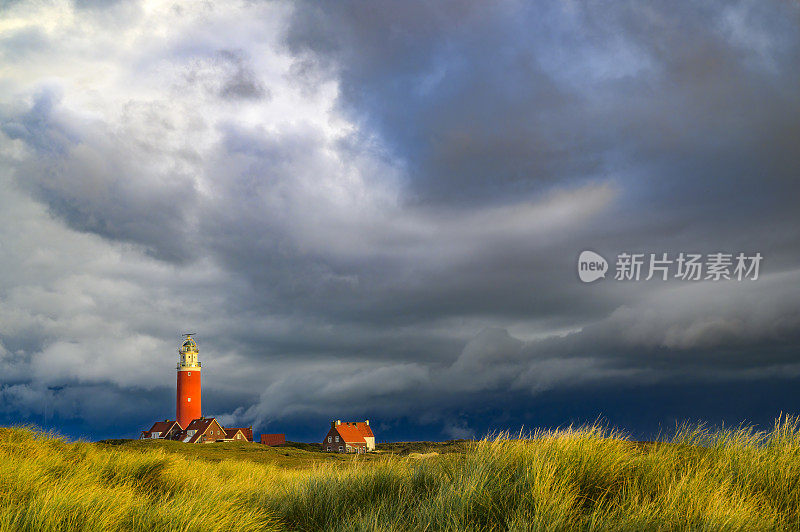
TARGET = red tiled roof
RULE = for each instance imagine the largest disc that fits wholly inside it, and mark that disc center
(231, 433)
(200, 423)
(364, 429)
(273, 439)
(162, 426)
(200, 426)
(247, 432)
(350, 433)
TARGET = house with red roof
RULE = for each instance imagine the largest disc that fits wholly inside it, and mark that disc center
(161, 430)
(202, 430)
(247, 432)
(349, 437)
(234, 435)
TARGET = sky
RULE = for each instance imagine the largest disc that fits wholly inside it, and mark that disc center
(374, 210)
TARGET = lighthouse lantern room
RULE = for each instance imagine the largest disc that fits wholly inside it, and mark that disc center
(188, 400)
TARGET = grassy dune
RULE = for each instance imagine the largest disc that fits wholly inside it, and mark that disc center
(587, 479)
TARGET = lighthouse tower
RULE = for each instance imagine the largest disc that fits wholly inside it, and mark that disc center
(188, 404)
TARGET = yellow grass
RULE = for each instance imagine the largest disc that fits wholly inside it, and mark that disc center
(584, 479)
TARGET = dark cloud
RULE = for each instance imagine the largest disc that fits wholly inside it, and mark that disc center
(242, 83)
(227, 74)
(456, 91)
(104, 181)
(493, 102)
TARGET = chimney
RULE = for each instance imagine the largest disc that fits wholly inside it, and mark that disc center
(366, 422)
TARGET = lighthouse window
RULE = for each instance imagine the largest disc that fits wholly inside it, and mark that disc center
(189, 373)
(188, 399)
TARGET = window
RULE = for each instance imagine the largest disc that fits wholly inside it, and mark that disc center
(188, 373)
(340, 448)
(329, 439)
(337, 438)
(212, 432)
(188, 399)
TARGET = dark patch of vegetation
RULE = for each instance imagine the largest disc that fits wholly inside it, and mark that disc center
(310, 447)
(424, 447)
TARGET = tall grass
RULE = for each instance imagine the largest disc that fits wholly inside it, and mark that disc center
(49, 484)
(583, 479)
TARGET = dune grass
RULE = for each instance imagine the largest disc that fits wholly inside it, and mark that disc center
(584, 479)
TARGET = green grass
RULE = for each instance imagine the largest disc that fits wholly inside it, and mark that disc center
(585, 479)
(284, 456)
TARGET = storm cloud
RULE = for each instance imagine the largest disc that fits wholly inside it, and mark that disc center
(374, 209)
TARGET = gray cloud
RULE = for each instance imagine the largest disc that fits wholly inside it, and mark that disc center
(107, 182)
(227, 74)
(242, 83)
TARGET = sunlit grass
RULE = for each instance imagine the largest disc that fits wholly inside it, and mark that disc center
(584, 479)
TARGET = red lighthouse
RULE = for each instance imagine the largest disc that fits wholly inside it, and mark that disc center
(188, 403)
